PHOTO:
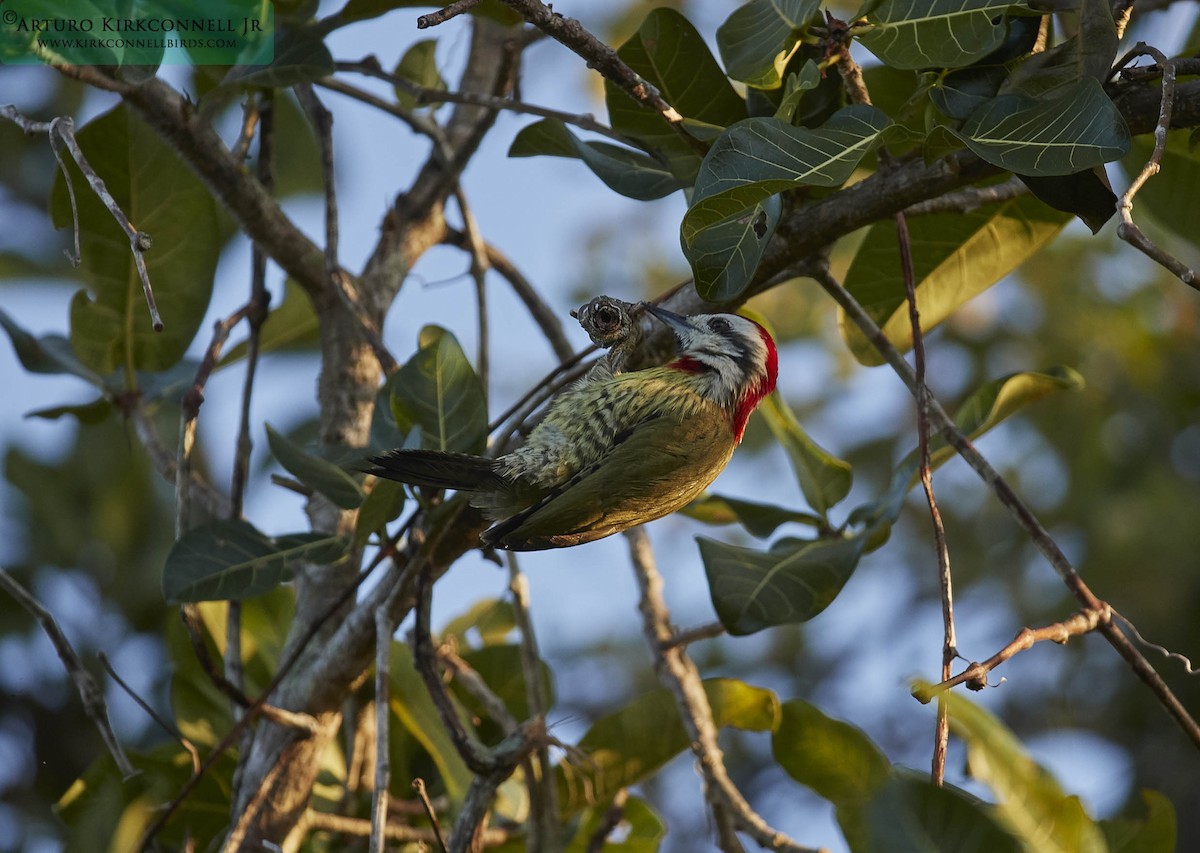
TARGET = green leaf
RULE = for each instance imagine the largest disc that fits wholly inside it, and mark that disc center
(384, 503)
(809, 77)
(500, 668)
(824, 479)
(955, 257)
(628, 745)
(409, 700)
(419, 67)
(725, 255)
(909, 814)
(46, 354)
(758, 38)
(438, 391)
(960, 93)
(1077, 129)
(1086, 194)
(833, 758)
(300, 57)
(631, 173)
(915, 34)
(640, 830)
(986, 407)
(292, 325)
(110, 325)
(793, 582)
(318, 474)
(759, 519)
(1031, 803)
(86, 413)
(669, 54)
(1089, 53)
(491, 618)
(1153, 834)
(234, 560)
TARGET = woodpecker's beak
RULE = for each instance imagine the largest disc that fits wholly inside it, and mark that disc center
(675, 322)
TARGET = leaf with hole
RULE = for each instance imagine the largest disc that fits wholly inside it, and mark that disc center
(631, 173)
(234, 560)
(110, 323)
(792, 582)
(758, 38)
(318, 474)
(916, 34)
(955, 257)
(437, 390)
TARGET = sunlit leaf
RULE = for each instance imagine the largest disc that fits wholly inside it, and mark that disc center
(757, 39)
(419, 67)
(955, 257)
(633, 174)
(438, 391)
(824, 479)
(628, 745)
(759, 519)
(793, 582)
(833, 758)
(234, 560)
(914, 34)
(1030, 802)
(110, 323)
(318, 474)
(670, 55)
(1076, 129)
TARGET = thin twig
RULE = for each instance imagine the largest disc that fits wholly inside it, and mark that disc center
(61, 131)
(89, 691)
(692, 635)
(975, 675)
(418, 785)
(1128, 230)
(945, 579)
(545, 796)
(201, 492)
(458, 7)
(383, 767)
(250, 119)
(471, 681)
(480, 264)
(1009, 498)
(970, 198)
(357, 826)
(165, 725)
(678, 674)
(613, 816)
(1188, 667)
(370, 67)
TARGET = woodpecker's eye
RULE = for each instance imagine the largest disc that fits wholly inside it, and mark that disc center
(719, 325)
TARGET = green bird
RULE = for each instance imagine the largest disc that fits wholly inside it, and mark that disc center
(614, 451)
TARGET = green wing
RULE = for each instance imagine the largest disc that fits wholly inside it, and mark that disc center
(659, 467)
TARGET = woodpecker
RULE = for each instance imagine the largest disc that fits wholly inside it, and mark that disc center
(616, 450)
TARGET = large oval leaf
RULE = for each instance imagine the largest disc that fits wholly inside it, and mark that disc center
(824, 479)
(626, 746)
(318, 474)
(725, 255)
(234, 560)
(793, 582)
(110, 325)
(833, 758)
(438, 391)
(910, 813)
(759, 519)
(670, 55)
(1080, 127)
(914, 34)
(955, 258)
(757, 40)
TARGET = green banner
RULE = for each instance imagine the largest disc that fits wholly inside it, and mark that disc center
(137, 32)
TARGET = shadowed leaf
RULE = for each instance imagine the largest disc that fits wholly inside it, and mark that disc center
(46, 354)
(824, 479)
(757, 39)
(909, 814)
(759, 519)
(318, 474)
(438, 391)
(915, 34)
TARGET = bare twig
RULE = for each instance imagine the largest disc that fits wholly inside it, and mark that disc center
(383, 768)
(425, 95)
(250, 119)
(1009, 498)
(458, 7)
(975, 675)
(418, 785)
(324, 821)
(165, 725)
(612, 818)
(480, 264)
(679, 675)
(1128, 230)
(89, 691)
(1188, 667)
(692, 635)
(970, 198)
(61, 132)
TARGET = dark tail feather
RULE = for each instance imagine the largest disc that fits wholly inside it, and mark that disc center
(437, 469)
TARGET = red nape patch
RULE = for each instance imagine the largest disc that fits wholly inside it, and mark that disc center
(688, 364)
(764, 386)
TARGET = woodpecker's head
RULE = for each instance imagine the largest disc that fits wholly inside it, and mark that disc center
(731, 358)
